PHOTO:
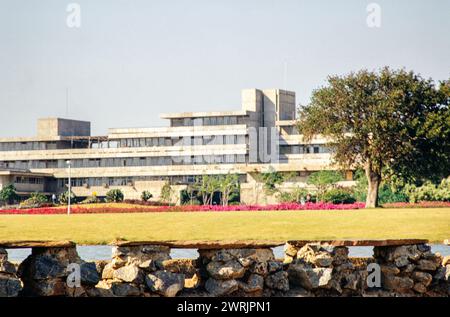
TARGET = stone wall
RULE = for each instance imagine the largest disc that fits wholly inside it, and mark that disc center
(241, 272)
(413, 270)
(45, 272)
(10, 285)
(325, 270)
(240, 269)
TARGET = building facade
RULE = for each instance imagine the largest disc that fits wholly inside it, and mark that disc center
(259, 137)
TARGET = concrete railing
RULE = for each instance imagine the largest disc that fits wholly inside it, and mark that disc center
(228, 268)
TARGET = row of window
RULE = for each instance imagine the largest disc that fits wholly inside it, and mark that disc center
(29, 146)
(131, 142)
(183, 141)
(129, 181)
(207, 121)
(302, 149)
(123, 162)
(28, 180)
(42, 145)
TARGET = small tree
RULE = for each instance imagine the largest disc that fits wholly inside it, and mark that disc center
(271, 179)
(206, 186)
(166, 193)
(191, 194)
(8, 194)
(227, 185)
(146, 195)
(323, 180)
(114, 195)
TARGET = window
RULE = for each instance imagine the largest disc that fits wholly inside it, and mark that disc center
(240, 158)
(230, 139)
(240, 139)
(187, 122)
(197, 122)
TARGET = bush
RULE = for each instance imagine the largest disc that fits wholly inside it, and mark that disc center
(294, 196)
(8, 194)
(35, 200)
(91, 200)
(38, 198)
(114, 196)
(386, 195)
(146, 195)
(324, 180)
(64, 198)
(429, 192)
(338, 196)
(166, 193)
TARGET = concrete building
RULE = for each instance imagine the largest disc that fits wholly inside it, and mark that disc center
(249, 141)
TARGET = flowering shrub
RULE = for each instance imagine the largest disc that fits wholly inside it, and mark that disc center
(429, 192)
(139, 208)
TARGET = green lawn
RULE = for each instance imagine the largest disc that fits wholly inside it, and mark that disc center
(430, 223)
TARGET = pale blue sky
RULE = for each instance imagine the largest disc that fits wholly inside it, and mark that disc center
(132, 59)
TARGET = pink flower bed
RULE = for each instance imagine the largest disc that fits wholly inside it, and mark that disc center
(283, 206)
(95, 210)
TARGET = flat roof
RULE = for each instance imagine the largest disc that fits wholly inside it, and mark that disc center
(31, 139)
(7, 172)
(203, 114)
(52, 138)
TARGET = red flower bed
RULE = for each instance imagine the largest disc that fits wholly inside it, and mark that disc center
(422, 204)
(109, 209)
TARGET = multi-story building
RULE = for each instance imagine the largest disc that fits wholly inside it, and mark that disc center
(259, 137)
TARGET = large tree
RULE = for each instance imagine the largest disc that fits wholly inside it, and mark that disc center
(386, 121)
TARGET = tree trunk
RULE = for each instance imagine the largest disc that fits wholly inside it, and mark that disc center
(373, 180)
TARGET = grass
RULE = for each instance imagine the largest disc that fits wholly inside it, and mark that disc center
(426, 223)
